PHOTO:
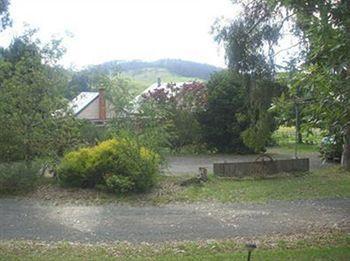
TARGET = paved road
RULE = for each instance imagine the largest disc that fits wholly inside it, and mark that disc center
(33, 221)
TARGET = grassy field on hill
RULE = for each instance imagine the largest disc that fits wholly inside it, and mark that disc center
(143, 78)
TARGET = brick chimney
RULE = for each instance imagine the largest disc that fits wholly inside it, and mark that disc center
(102, 104)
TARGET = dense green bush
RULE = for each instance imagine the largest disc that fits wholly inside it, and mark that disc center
(119, 165)
(91, 133)
(118, 184)
(236, 117)
(18, 176)
(225, 115)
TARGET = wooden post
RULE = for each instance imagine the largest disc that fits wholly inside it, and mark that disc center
(345, 158)
(297, 129)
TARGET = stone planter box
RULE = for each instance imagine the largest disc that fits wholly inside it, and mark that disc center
(260, 168)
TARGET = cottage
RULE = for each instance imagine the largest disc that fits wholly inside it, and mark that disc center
(92, 106)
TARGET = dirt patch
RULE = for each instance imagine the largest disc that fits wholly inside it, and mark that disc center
(56, 194)
(52, 193)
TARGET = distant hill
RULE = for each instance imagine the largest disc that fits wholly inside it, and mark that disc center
(142, 74)
(148, 76)
(179, 68)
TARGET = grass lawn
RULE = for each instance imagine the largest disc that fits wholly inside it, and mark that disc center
(325, 183)
(290, 148)
(286, 135)
(284, 139)
(333, 246)
(331, 182)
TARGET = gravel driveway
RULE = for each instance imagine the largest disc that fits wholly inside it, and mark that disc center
(189, 164)
(32, 221)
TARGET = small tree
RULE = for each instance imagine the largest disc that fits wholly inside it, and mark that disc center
(33, 119)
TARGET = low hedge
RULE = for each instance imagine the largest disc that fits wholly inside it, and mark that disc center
(18, 177)
(118, 165)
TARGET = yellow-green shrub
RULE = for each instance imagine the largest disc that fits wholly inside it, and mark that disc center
(119, 165)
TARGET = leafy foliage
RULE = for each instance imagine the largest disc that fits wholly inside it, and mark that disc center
(236, 117)
(248, 40)
(331, 148)
(18, 176)
(92, 134)
(257, 136)
(120, 165)
(285, 136)
(176, 109)
(322, 28)
(5, 20)
(224, 119)
(33, 119)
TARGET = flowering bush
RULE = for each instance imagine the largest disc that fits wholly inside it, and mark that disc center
(191, 96)
(176, 109)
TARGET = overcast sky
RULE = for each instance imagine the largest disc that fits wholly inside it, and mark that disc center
(105, 30)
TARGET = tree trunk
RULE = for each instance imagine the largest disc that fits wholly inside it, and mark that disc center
(299, 137)
(345, 159)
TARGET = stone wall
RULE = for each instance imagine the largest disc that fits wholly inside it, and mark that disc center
(260, 168)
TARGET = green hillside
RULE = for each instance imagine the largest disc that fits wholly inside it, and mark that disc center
(145, 77)
(140, 74)
(174, 66)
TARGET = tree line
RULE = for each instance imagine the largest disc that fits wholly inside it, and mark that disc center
(236, 110)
